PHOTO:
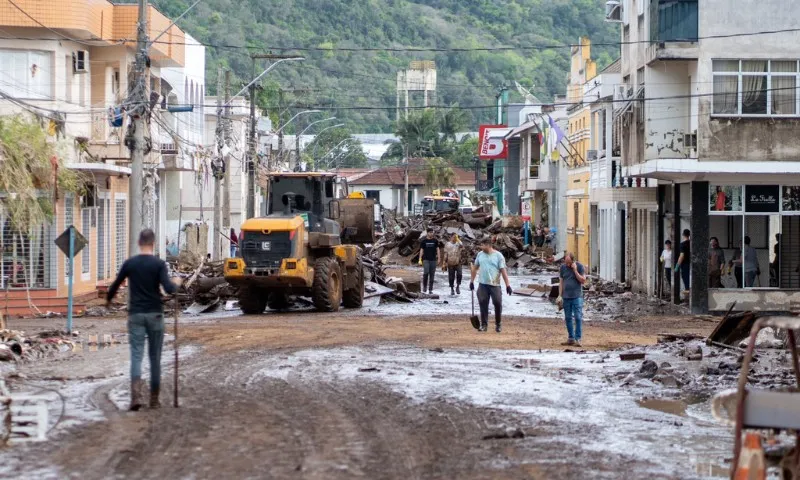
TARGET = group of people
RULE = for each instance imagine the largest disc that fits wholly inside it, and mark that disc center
(488, 267)
(744, 264)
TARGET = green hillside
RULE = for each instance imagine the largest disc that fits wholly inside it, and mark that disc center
(335, 77)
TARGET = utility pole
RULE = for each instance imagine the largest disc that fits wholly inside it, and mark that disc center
(217, 168)
(297, 131)
(405, 198)
(280, 133)
(137, 202)
(227, 131)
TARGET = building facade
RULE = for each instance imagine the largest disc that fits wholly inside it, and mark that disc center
(75, 76)
(713, 119)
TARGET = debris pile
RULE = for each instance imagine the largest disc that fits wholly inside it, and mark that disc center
(16, 346)
(204, 282)
(401, 242)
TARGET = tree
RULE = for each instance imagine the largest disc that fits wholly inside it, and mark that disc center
(29, 173)
(464, 152)
(439, 174)
(336, 148)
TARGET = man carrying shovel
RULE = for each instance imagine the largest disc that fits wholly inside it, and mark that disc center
(491, 265)
(145, 273)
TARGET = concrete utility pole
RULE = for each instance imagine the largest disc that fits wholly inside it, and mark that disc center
(140, 213)
(227, 131)
(405, 191)
(217, 168)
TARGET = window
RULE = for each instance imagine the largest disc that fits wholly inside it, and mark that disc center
(755, 87)
(26, 74)
(373, 194)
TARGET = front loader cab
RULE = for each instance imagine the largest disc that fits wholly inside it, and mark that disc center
(312, 194)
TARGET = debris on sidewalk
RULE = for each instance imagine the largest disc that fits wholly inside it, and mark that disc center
(16, 346)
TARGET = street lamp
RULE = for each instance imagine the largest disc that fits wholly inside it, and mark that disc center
(337, 146)
(297, 138)
(279, 131)
(316, 144)
(273, 65)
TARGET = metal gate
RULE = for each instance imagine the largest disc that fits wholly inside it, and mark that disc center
(102, 231)
(121, 240)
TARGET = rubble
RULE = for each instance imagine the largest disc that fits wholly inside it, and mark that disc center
(16, 346)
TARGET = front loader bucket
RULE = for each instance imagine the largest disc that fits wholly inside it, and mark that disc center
(357, 219)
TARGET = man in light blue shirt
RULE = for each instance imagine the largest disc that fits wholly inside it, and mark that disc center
(491, 265)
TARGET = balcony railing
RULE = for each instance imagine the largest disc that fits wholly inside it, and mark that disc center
(673, 21)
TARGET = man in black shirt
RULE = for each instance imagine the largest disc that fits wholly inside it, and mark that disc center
(429, 258)
(683, 264)
(145, 273)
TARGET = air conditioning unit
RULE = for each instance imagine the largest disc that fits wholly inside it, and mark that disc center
(591, 155)
(614, 11)
(80, 61)
(620, 92)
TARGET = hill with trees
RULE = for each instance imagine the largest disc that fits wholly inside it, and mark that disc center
(360, 84)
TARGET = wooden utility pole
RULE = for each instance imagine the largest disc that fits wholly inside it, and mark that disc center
(217, 168)
(139, 215)
(227, 131)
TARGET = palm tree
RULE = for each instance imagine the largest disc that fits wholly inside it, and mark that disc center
(451, 123)
(439, 174)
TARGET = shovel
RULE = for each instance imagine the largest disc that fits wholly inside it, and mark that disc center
(474, 320)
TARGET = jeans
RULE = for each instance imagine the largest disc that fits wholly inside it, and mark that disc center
(485, 292)
(454, 275)
(749, 279)
(233, 251)
(573, 311)
(150, 325)
(685, 275)
(428, 271)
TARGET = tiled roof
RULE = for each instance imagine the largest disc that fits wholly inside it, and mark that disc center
(418, 167)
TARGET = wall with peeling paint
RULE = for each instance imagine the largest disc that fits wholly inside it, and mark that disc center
(667, 115)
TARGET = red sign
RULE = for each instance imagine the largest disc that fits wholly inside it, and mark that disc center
(492, 147)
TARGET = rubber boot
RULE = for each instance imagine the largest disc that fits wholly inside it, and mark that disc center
(154, 401)
(452, 291)
(136, 394)
(458, 289)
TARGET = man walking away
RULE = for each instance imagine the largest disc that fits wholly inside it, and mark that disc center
(452, 261)
(716, 262)
(429, 258)
(491, 265)
(571, 280)
(684, 259)
(145, 272)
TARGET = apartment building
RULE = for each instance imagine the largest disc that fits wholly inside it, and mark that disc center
(71, 61)
(710, 128)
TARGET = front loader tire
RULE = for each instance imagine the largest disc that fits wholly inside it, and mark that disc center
(326, 292)
(252, 301)
(354, 297)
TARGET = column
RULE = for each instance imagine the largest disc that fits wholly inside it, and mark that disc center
(676, 242)
(699, 247)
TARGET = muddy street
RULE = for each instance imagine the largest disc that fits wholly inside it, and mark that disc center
(369, 395)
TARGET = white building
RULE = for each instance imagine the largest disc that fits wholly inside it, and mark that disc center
(713, 117)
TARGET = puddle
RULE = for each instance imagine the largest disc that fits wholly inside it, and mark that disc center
(665, 405)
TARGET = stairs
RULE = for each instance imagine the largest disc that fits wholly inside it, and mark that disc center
(15, 302)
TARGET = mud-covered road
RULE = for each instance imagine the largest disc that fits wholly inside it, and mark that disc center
(358, 396)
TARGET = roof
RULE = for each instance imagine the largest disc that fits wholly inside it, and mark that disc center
(303, 174)
(353, 174)
(418, 167)
(614, 67)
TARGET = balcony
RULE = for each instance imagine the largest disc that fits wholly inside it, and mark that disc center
(673, 30)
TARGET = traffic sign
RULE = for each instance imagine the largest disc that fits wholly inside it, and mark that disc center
(63, 241)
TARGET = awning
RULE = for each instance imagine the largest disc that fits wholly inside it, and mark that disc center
(101, 168)
(522, 128)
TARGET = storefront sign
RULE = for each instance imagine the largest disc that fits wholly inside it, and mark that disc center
(527, 207)
(762, 199)
(492, 146)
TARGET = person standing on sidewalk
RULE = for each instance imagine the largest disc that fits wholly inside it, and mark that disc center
(666, 261)
(452, 261)
(683, 265)
(428, 258)
(571, 280)
(145, 273)
(491, 265)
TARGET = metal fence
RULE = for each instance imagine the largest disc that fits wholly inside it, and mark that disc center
(120, 240)
(27, 260)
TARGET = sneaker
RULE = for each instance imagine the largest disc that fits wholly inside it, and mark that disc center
(497, 328)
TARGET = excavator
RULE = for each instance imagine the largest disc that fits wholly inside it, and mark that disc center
(306, 245)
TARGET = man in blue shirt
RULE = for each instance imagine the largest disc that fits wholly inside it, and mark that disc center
(571, 280)
(491, 265)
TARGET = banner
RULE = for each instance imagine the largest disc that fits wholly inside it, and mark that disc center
(492, 147)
